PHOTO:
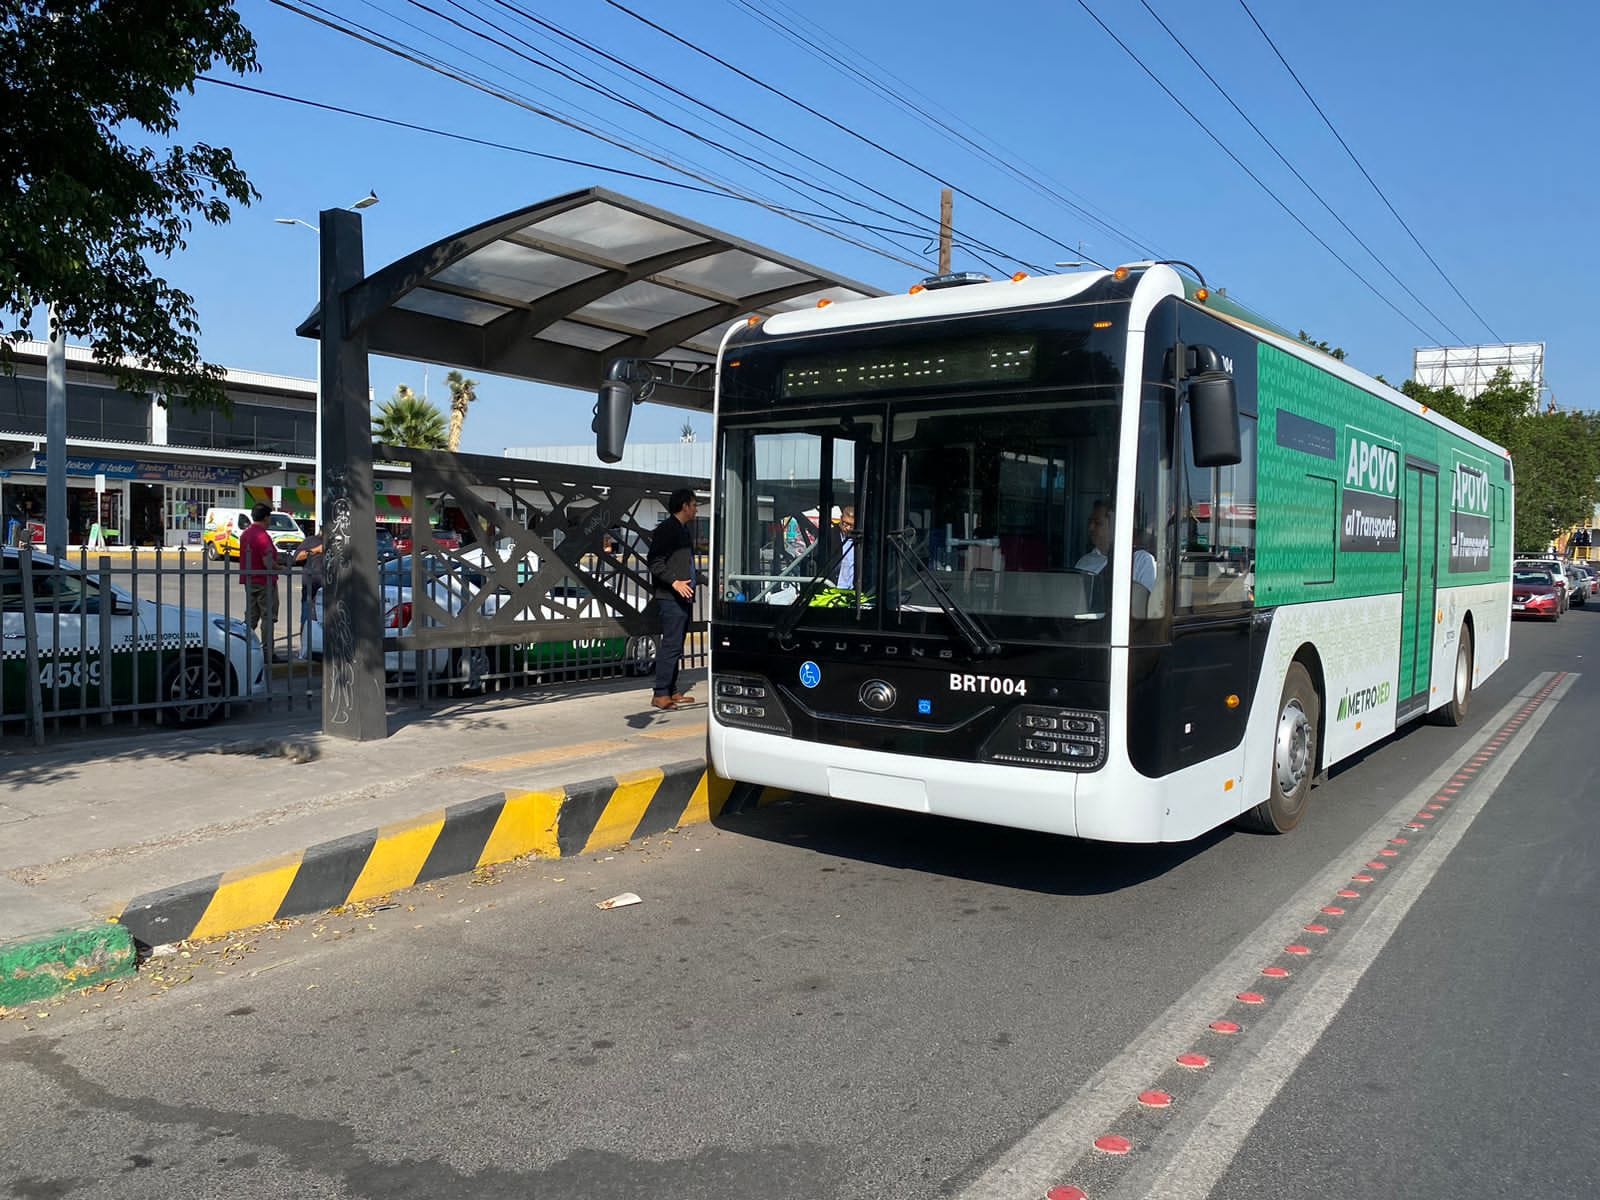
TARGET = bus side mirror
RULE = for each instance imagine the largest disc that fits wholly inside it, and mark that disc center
(612, 411)
(1213, 416)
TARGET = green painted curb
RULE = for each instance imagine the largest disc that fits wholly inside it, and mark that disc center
(38, 967)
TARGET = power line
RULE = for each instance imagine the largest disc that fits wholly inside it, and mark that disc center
(409, 55)
(395, 122)
(1006, 161)
(1223, 92)
(589, 47)
(1305, 92)
(861, 137)
(1241, 165)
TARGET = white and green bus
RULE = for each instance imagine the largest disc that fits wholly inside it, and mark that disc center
(1128, 562)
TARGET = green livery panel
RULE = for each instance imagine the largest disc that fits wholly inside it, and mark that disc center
(1332, 466)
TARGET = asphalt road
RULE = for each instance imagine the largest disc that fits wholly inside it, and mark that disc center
(820, 1000)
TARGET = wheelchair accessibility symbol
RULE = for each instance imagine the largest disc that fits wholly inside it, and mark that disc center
(810, 674)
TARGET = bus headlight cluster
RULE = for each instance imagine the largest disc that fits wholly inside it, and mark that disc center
(749, 702)
(1064, 738)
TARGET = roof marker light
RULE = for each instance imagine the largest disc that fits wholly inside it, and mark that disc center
(1101, 325)
(1202, 294)
(752, 322)
(1019, 277)
(916, 290)
(1120, 274)
(824, 302)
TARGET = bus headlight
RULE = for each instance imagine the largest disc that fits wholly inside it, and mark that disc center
(749, 702)
(1066, 739)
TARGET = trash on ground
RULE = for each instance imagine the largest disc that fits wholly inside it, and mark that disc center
(622, 901)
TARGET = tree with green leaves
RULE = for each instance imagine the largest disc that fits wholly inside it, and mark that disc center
(97, 188)
(406, 419)
(463, 391)
(1334, 351)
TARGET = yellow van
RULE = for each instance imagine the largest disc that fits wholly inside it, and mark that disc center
(223, 526)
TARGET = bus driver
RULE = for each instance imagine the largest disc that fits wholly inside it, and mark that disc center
(1102, 519)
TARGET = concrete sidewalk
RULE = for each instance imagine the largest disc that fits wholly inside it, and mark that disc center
(87, 826)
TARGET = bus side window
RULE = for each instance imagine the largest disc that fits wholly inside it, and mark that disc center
(1217, 528)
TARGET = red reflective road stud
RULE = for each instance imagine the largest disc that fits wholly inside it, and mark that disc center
(1437, 807)
(1387, 853)
(1361, 879)
(1275, 972)
(1332, 910)
(1377, 866)
(1316, 928)
(1250, 998)
(1154, 1099)
(1066, 1193)
(1112, 1143)
(1425, 816)
(1399, 841)
(1194, 1062)
(1348, 894)
(1414, 825)
(1224, 1027)
(1297, 950)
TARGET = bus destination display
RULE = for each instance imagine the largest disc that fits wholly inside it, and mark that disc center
(956, 364)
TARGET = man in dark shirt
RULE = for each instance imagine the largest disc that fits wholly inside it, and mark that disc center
(671, 562)
(309, 554)
(258, 571)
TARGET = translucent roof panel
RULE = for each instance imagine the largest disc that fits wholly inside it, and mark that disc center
(556, 291)
(451, 307)
(623, 236)
(515, 272)
(643, 306)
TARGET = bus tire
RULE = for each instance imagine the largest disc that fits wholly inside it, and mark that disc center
(1454, 711)
(1294, 756)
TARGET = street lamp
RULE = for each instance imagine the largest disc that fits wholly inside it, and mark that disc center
(366, 201)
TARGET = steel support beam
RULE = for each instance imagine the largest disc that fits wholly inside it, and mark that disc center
(354, 705)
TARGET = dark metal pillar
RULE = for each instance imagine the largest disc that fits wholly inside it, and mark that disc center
(353, 701)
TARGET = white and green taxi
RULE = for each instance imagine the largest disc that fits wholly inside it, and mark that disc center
(186, 662)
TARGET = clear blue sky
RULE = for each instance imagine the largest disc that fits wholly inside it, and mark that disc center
(1478, 123)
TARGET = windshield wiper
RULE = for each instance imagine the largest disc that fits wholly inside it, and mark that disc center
(785, 624)
(966, 624)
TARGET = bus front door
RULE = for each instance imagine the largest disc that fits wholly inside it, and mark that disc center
(1419, 553)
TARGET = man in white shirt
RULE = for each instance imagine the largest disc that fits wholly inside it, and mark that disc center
(1102, 520)
(847, 534)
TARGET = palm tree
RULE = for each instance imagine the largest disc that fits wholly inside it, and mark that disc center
(463, 391)
(406, 419)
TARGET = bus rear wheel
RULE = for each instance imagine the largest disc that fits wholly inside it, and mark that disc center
(1294, 756)
(1455, 711)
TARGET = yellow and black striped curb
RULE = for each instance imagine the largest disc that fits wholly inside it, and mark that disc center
(575, 819)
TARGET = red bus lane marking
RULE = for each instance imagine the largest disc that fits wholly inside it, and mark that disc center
(1203, 1124)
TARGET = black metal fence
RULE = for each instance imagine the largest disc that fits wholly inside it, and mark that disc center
(173, 637)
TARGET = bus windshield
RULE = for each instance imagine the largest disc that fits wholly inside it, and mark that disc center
(919, 515)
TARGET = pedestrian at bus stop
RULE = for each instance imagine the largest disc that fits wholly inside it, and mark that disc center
(258, 571)
(308, 555)
(671, 562)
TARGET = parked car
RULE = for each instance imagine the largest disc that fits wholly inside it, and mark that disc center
(1588, 581)
(386, 549)
(224, 525)
(190, 660)
(1553, 567)
(1536, 592)
(444, 539)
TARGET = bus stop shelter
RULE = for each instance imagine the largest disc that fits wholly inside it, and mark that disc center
(553, 293)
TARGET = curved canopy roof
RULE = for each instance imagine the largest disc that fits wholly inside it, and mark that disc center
(556, 291)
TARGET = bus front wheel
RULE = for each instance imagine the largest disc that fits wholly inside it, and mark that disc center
(1294, 756)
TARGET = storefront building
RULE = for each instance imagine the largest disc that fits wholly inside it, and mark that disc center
(142, 470)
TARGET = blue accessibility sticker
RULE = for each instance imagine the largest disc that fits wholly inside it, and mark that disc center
(810, 674)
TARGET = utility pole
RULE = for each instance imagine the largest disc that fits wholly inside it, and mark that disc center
(55, 440)
(946, 207)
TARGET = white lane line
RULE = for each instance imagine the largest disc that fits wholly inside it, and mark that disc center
(1042, 1157)
(1191, 1170)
